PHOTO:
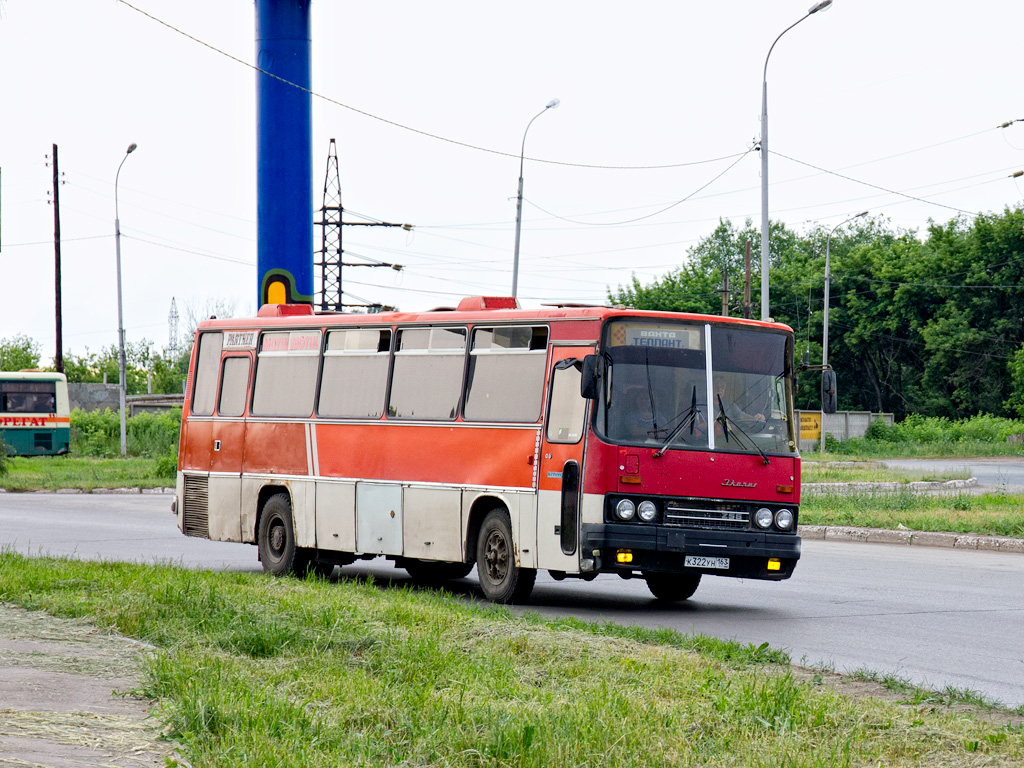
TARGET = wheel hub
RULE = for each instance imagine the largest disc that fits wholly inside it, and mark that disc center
(496, 556)
(277, 539)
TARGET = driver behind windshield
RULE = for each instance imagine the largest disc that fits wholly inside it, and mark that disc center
(733, 412)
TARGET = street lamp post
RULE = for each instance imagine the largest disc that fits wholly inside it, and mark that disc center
(824, 334)
(765, 314)
(519, 200)
(122, 387)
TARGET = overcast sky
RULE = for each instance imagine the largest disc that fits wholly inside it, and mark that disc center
(906, 95)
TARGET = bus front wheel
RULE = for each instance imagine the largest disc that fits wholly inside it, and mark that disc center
(501, 579)
(278, 552)
(672, 587)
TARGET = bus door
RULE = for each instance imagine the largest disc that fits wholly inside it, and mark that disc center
(561, 463)
(227, 447)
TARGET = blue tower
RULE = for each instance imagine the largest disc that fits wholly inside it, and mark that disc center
(284, 153)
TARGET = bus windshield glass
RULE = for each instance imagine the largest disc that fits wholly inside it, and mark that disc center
(655, 378)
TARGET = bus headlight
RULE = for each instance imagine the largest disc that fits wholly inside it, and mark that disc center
(763, 517)
(647, 511)
(625, 509)
(783, 519)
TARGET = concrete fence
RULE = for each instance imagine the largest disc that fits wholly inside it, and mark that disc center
(842, 425)
(96, 397)
(93, 397)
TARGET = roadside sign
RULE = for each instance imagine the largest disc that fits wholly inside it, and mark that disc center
(810, 425)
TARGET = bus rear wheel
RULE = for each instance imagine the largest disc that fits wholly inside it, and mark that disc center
(501, 579)
(278, 552)
(672, 587)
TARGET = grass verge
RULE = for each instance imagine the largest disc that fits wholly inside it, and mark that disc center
(280, 672)
(868, 472)
(51, 473)
(990, 514)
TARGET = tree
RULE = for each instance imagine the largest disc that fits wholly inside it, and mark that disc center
(141, 362)
(917, 324)
(18, 352)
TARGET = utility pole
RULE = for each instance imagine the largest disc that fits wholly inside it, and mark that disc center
(725, 294)
(58, 358)
(746, 282)
(331, 251)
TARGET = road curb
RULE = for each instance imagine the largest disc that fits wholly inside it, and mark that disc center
(918, 486)
(912, 538)
(117, 491)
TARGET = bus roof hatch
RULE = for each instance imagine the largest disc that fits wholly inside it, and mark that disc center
(284, 310)
(488, 302)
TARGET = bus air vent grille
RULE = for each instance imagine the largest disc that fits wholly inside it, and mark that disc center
(196, 509)
(691, 513)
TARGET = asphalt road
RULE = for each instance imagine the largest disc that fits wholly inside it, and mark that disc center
(999, 473)
(936, 617)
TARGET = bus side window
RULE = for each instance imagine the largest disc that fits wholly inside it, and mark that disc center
(287, 366)
(506, 374)
(567, 407)
(355, 373)
(234, 386)
(204, 392)
(426, 381)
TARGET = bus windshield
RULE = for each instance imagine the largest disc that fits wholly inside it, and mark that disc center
(656, 376)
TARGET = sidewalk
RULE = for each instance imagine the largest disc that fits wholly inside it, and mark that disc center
(911, 538)
(905, 536)
(64, 696)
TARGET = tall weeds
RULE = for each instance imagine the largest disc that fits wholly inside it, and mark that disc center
(149, 435)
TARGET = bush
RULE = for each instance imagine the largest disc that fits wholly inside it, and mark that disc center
(167, 467)
(982, 429)
(880, 430)
(98, 433)
(95, 433)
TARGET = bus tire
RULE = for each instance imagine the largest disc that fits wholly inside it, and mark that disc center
(501, 579)
(278, 552)
(672, 587)
(435, 572)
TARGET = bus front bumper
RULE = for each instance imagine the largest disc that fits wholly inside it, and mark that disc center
(625, 549)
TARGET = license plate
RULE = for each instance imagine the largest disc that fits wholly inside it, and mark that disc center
(695, 561)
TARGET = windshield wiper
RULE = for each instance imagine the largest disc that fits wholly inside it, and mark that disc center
(650, 390)
(726, 421)
(689, 420)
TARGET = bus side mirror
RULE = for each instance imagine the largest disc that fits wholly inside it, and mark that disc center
(829, 396)
(588, 378)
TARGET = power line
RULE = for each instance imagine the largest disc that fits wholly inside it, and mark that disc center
(874, 186)
(649, 215)
(931, 346)
(418, 131)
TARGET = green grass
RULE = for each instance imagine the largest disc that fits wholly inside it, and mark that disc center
(816, 471)
(949, 696)
(859, 449)
(50, 473)
(251, 670)
(993, 514)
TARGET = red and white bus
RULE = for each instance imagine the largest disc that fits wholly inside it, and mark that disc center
(581, 441)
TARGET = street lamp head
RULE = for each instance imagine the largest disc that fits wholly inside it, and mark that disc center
(553, 104)
(820, 6)
(131, 148)
(862, 213)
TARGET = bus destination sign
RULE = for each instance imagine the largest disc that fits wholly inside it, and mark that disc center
(295, 342)
(239, 339)
(651, 335)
